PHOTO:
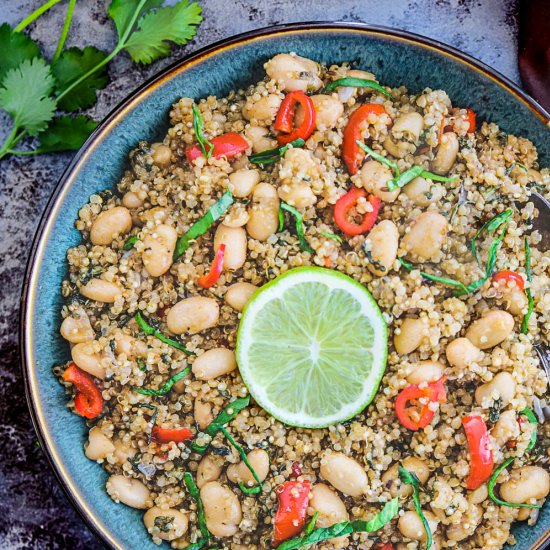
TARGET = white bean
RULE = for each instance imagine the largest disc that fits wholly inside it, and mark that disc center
(99, 445)
(87, 359)
(110, 224)
(374, 177)
(399, 149)
(210, 469)
(193, 315)
(426, 371)
(383, 241)
(202, 412)
(77, 329)
(344, 474)
(516, 301)
(213, 363)
(392, 481)
(222, 509)
(466, 528)
(172, 524)
(423, 192)
(264, 214)
(502, 386)
(239, 473)
(328, 110)
(259, 138)
(408, 126)
(101, 291)
(526, 485)
(410, 335)
(293, 72)
(506, 427)
(330, 507)
(237, 216)
(243, 181)
(237, 295)
(446, 153)
(129, 491)
(131, 200)
(235, 242)
(477, 496)
(425, 236)
(491, 329)
(461, 353)
(264, 110)
(123, 451)
(129, 346)
(410, 525)
(158, 250)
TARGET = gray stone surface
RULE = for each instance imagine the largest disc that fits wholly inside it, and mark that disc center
(35, 514)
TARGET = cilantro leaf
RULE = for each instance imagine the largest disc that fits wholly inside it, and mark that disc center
(172, 23)
(65, 133)
(15, 47)
(71, 65)
(122, 12)
(25, 95)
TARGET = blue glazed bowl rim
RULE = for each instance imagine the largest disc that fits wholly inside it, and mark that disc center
(138, 95)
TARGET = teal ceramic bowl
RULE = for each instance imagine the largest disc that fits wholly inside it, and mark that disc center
(395, 57)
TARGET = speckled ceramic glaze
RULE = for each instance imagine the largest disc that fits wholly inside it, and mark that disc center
(396, 58)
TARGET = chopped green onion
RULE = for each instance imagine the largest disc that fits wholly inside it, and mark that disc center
(344, 528)
(167, 386)
(130, 243)
(273, 155)
(148, 329)
(332, 236)
(350, 82)
(240, 450)
(410, 478)
(531, 302)
(380, 158)
(412, 173)
(299, 227)
(203, 225)
(195, 493)
(450, 282)
(198, 126)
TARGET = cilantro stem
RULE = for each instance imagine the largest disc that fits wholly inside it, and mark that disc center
(36, 14)
(65, 30)
(10, 141)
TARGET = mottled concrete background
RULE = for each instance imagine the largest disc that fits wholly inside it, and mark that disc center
(33, 510)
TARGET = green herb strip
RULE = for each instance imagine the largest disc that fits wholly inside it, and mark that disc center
(167, 386)
(311, 524)
(273, 155)
(198, 126)
(350, 82)
(494, 223)
(410, 478)
(332, 236)
(141, 366)
(412, 173)
(148, 329)
(299, 227)
(240, 450)
(203, 225)
(380, 158)
(153, 418)
(450, 282)
(130, 243)
(344, 528)
(530, 300)
(195, 493)
(227, 414)
(493, 479)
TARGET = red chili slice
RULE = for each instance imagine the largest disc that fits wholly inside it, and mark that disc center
(481, 453)
(284, 121)
(165, 435)
(88, 400)
(290, 519)
(509, 276)
(345, 203)
(227, 145)
(211, 278)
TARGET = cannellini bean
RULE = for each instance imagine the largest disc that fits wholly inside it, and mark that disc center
(461, 353)
(213, 363)
(502, 386)
(243, 181)
(408, 126)
(99, 445)
(162, 154)
(110, 224)
(237, 216)
(410, 335)
(446, 153)
(299, 195)
(131, 200)
(175, 527)
(491, 329)
(158, 250)
(210, 469)
(234, 239)
(505, 428)
(330, 507)
(259, 138)
(123, 451)
(193, 315)
(328, 110)
(526, 484)
(422, 192)
(425, 236)
(477, 496)
(410, 525)
(239, 473)
(131, 347)
(516, 301)
(101, 291)
(393, 483)
(426, 371)
(293, 72)
(264, 110)
(383, 241)
(264, 214)
(77, 329)
(129, 491)
(87, 359)
(344, 474)
(221, 508)
(237, 295)
(202, 412)
(374, 177)
(470, 520)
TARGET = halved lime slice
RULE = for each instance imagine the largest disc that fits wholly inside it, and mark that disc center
(312, 347)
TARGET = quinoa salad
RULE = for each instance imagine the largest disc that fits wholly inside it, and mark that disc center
(390, 232)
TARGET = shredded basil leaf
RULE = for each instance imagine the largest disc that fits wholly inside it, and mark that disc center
(281, 220)
(195, 493)
(412, 173)
(380, 158)
(299, 227)
(273, 155)
(311, 525)
(167, 386)
(148, 329)
(531, 301)
(141, 366)
(332, 236)
(350, 82)
(203, 225)
(450, 282)
(410, 478)
(533, 420)
(129, 244)
(198, 126)
(490, 225)
(344, 528)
